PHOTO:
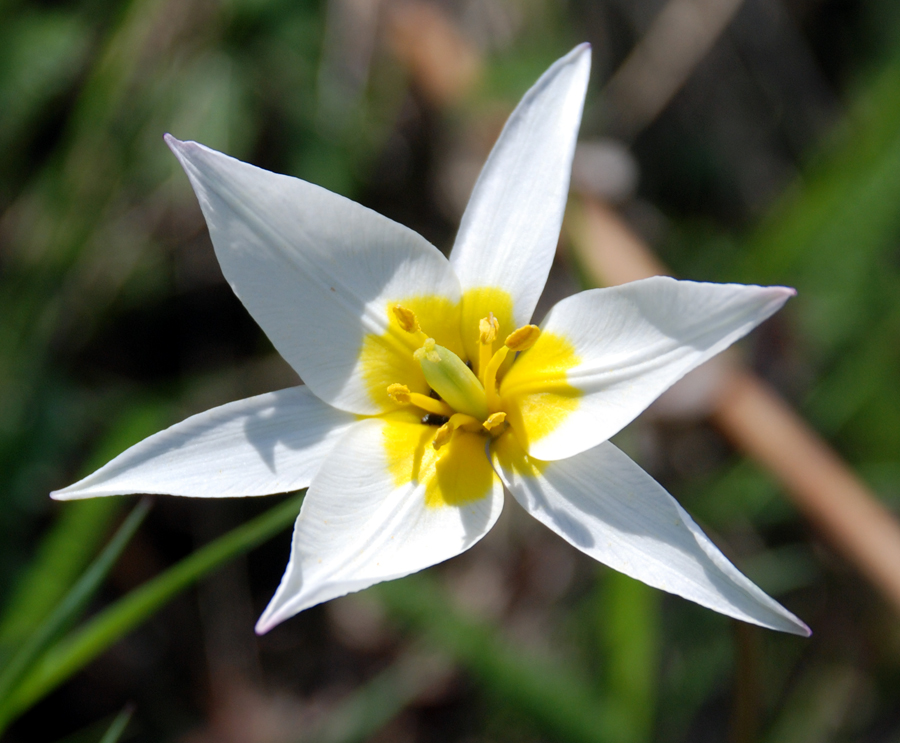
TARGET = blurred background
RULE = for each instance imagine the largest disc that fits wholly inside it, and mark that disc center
(754, 141)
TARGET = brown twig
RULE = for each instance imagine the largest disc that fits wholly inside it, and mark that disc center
(678, 38)
(443, 64)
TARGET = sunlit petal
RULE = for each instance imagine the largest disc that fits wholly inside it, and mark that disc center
(317, 271)
(508, 234)
(605, 505)
(606, 354)
(271, 443)
(384, 505)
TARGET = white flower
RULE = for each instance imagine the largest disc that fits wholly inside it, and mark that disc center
(375, 319)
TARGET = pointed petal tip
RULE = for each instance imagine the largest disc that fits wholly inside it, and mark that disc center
(174, 144)
(791, 626)
(74, 492)
(580, 55)
(801, 629)
(262, 628)
(271, 617)
(785, 291)
(782, 293)
(183, 149)
(783, 621)
(280, 607)
(582, 48)
(71, 493)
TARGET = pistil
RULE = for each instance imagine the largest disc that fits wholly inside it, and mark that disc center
(455, 382)
(467, 401)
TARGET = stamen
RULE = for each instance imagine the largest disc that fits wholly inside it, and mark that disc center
(523, 338)
(407, 318)
(487, 327)
(490, 377)
(457, 420)
(400, 393)
(408, 321)
(443, 435)
(519, 340)
(494, 420)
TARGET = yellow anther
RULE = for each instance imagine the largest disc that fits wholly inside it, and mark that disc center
(407, 318)
(487, 334)
(443, 435)
(399, 393)
(519, 340)
(494, 420)
(488, 327)
(523, 338)
(457, 420)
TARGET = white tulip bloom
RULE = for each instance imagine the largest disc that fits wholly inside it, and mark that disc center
(426, 391)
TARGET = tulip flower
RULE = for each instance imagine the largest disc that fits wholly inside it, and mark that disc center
(428, 394)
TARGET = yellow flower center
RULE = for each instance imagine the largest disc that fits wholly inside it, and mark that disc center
(465, 401)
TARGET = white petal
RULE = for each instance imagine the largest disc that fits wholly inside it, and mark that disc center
(510, 229)
(271, 443)
(317, 271)
(359, 525)
(605, 505)
(628, 344)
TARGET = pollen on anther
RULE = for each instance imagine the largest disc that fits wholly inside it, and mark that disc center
(493, 421)
(399, 393)
(407, 318)
(488, 328)
(523, 338)
(443, 435)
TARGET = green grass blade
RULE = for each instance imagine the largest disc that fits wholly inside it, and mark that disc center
(80, 647)
(630, 629)
(555, 700)
(62, 556)
(374, 704)
(118, 726)
(74, 602)
(76, 535)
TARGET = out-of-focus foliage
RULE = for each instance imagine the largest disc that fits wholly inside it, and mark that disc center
(778, 162)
